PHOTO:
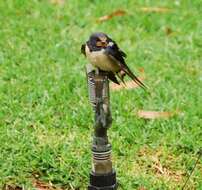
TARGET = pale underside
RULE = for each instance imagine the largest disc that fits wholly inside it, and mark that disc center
(102, 61)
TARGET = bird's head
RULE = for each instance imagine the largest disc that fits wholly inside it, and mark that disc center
(98, 40)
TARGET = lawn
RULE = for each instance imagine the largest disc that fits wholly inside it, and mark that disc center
(45, 116)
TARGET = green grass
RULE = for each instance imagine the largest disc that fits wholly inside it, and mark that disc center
(45, 116)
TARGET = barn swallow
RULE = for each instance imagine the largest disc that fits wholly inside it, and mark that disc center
(104, 54)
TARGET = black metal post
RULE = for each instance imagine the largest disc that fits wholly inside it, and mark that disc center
(102, 176)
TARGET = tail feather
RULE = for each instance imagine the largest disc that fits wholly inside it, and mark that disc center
(134, 78)
(113, 78)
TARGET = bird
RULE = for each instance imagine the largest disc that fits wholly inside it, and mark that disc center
(104, 54)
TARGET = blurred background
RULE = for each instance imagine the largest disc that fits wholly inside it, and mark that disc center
(46, 121)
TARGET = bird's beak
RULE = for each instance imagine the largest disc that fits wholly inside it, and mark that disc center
(102, 42)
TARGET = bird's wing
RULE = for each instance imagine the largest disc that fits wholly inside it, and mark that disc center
(83, 49)
(115, 51)
(118, 55)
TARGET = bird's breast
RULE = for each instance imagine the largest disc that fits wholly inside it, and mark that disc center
(100, 60)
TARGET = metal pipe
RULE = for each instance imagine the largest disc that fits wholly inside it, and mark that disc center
(102, 176)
